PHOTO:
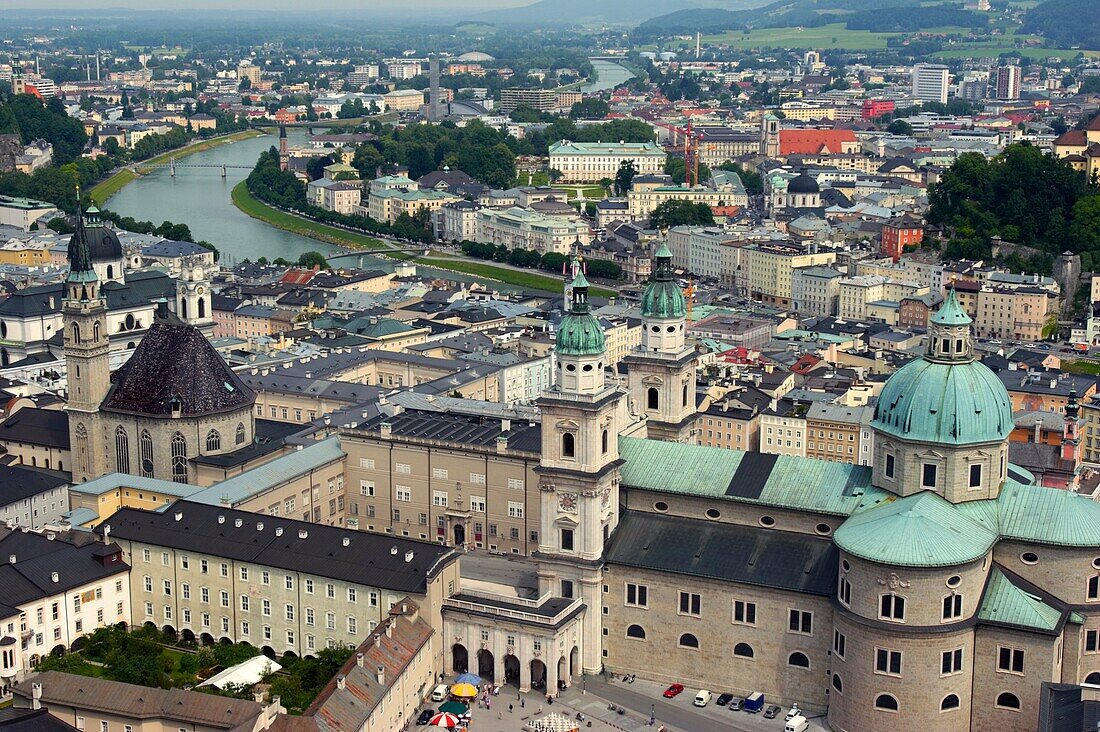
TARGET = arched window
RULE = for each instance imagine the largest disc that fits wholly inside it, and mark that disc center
(146, 454)
(179, 458)
(744, 650)
(635, 631)
(886, 703)
(122, 450)
(685, 395)
(213, 441)
(799, 659)
(202, 307)
(652, 398)
(183, 308)
(1093, 679)
(1008, 700)
(568, 445)
(687, 640)
(604, 440)
(838, 683)
(95, 331)
(76, 332)
(81, 456)
(240, 433)
(951, 701)
(110, 271)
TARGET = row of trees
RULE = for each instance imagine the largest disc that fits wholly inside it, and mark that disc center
(549, 262)
(282, 189)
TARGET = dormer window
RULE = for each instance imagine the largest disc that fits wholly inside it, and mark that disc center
(176, 405)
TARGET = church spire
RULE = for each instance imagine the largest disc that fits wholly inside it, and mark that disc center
(80, 257)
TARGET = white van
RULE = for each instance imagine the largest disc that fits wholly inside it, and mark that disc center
(796, 724)
(702, 698)
(440, 692)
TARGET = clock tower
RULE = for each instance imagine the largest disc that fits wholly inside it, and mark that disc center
(579, 470)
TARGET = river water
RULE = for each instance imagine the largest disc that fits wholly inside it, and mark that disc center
(608, 76)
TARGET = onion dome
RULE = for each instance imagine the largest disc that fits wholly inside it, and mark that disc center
(580, 334)
(662, 297)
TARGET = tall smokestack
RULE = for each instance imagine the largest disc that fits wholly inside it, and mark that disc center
(433, 89)
(97, 66)
(698, 44)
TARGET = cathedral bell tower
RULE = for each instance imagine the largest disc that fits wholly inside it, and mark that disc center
(661, 371)
(579, 469)
(193, 304)
(87, 348)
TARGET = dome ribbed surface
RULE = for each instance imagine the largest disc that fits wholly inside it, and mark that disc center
(580, 334)
(951, 403)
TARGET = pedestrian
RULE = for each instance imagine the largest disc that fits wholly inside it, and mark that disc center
(522, 703)
(540, 709)
(500, 715)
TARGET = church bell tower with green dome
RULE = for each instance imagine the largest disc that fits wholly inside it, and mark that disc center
(661, 370)
(942, 421)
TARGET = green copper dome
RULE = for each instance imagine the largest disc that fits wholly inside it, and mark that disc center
(579, 333)
(662, 298)
(946, 397)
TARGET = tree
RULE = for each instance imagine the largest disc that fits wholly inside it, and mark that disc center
(624, 176)
(900, 127)
(312, 259)
(590, 108)
(315, 168)
(679, 212)
(525, 113)
(1090, 85)
(554, 175)
(754, 184)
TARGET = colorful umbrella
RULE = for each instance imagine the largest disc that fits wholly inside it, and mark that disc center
(464, 691)
(469, 678)
(454, 707)
(444, 720)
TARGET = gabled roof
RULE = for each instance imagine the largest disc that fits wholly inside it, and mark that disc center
(1004, 603)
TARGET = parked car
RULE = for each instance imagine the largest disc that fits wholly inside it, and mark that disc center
(724, 700)
(772, 712)
(702, 698)
(736, 704)
(425, 717)
(794, 712)
(674, 690)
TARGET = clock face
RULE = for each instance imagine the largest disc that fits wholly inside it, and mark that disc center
(568, 501)
(201, 289)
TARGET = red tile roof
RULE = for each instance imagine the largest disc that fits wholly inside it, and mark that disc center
(812, 142)
(1074, 138)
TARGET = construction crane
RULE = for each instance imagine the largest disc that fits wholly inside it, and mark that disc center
(689, 297)
(690, 151)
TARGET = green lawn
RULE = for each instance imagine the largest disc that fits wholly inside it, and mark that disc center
(108, 187)
(244, 200)
(833, 35)
(1088, 368)
(529, 280)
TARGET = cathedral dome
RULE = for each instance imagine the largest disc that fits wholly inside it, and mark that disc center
(103, 243)
(803, 183)
(946, 396)
(662, 297)
(580, 333)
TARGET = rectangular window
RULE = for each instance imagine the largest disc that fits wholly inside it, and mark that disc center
(477, 504)
(744, 613)
(366, 487)
(690, 603)
(844, 592)
(351, 625)
(265, 577)
(244, 574)
(309, 587)
(403, 468)
(404, 493)
(1093, 588)
(244, 603)
(477, 478)
(351, 594)
(225, 598)
(567, 588)
(952, 607)
(440, 473)
(800, 621)
(566, 537)
(515, 484)
(1092, 641)
(951, 662)
(637, 595)
(928, 476)
(515, 510)
(839, 643)
(439, 498)
(887, 662)
(892, 607)
(1010, 660)
(975, 476)
(367, 463)
(265, 607)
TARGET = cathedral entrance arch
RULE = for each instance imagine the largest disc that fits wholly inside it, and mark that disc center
(485, 666)
(460, 659)
(460, 535)
(511, 670)
(538, 674)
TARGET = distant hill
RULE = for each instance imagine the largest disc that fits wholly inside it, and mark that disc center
(623, 12)
(1066, 23)
(859, 15)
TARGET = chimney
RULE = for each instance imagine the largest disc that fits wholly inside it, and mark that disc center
(359, 659)
(502, 443)
(303, 534)
(11, 559)
(238, 522)
(389, 629)
(179, 516)
(386, 430)
(258, 697)
(106, 534)
(341, 682)
(1038, 431)
(221, 519)
(505, 425)
(278, 531)
(36, 695)
(381, 676)
(345, 541)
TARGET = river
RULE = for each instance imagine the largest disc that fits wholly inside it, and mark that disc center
(200, 198)
(608, 76)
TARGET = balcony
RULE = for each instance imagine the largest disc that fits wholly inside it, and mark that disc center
(547, 611)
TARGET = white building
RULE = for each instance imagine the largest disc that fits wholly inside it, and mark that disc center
(31, 498)
(815, 290)
(521, 228)
(930, 82)
(591, 162)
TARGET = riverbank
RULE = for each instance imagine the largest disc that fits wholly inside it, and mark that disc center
(257, 209)
(111, 185)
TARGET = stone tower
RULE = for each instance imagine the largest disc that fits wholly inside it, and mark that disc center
(87, 348)
(193, 305)
(579, 470)
(769, 136)
(284, 152)
(661, 371)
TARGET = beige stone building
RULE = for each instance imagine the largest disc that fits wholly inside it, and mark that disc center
(89, 703)
(833, 432)
(207, 573)
(591, 162)
(1015, 314)
(769, 267)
